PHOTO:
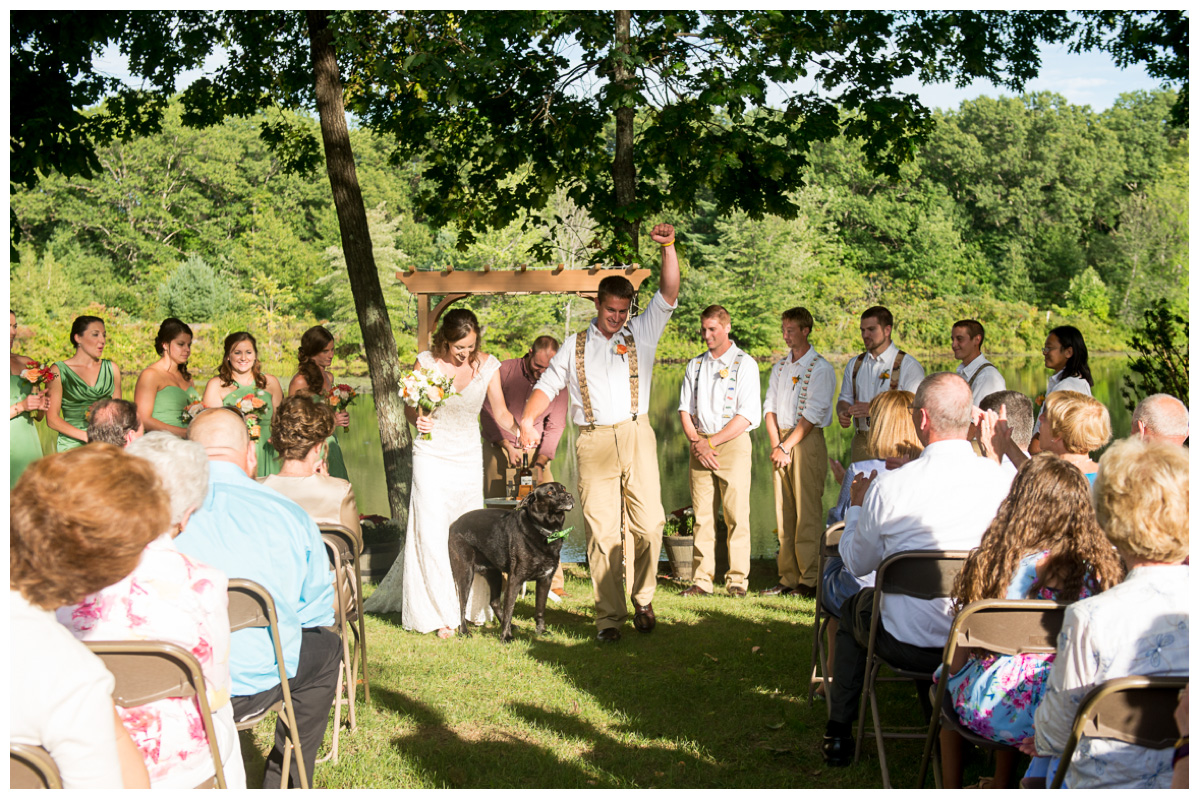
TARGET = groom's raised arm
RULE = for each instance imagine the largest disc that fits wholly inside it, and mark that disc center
(668, 281)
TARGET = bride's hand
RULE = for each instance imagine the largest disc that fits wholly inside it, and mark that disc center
(425, 424)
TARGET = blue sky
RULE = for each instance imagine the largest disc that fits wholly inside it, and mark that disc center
(1086, 79)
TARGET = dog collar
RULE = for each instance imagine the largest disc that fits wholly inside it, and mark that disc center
(559, 535)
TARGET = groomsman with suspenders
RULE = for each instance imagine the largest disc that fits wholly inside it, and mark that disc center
(982, 376)
(616, 449)
(798, 408)
(882, 367)
(719, 406)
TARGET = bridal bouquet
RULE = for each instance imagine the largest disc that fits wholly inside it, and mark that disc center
(341, 397)
(39, 376)
(425, 390)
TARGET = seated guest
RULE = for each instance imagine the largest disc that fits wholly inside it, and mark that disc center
(249, 531)
(1161, 417)
(891, 437)
(1019, 409)
(1043, 544)
(114, 421)
(301, 428)
(1139, 627)
(1073, 426)
(78, 522)
(941, 501)
(170, 597)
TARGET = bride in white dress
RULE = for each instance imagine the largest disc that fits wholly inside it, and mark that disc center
(447, 482)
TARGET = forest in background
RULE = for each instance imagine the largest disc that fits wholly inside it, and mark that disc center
(1021, 212)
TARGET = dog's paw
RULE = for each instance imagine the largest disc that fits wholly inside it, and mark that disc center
(464, 630)
(541, 628)
(506, 637)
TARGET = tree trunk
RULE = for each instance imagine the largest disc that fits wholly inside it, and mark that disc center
(380, 345)
(624, 178)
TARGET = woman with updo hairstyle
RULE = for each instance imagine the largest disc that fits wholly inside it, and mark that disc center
(81, 380)
(313, 379)
(1045, 544)
(447, 483)
(1138, 627)
(301, 430)
(165, 388)
(241, 383)
(79, 521)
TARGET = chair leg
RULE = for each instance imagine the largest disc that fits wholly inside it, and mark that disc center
(878, 727)
(362, 631)
(862, 711)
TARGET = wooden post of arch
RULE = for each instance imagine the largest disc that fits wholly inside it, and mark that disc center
(453, 286)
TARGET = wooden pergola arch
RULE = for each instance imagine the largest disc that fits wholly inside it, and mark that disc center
(452, 286)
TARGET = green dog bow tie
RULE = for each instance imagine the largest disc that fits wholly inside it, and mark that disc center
(559, 535)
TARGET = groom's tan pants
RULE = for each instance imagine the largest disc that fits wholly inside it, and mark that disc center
(620, 462)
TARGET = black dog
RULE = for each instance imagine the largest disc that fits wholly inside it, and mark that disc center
(492, 541)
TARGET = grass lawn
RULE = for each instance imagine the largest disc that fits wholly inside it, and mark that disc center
(715, 697)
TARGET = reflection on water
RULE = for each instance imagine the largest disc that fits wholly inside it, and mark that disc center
(364, 456)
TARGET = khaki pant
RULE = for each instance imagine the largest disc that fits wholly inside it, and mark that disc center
(858, 447)
(620, 463)
(727, 490)
(798, 511)
(495, 484)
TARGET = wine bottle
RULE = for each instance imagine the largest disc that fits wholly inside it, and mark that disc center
(524, 477)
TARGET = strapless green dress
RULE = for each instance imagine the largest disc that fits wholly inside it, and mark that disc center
(268, 459)
(170, 402)
(24, 447)
(333, 458)
(77, 397)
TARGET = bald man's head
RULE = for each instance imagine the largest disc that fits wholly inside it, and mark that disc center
(223, 434)
(945, 399)
(1161, 417)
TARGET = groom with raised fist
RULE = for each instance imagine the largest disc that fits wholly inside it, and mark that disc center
(607, 371)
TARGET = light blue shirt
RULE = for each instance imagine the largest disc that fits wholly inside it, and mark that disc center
(249, 531)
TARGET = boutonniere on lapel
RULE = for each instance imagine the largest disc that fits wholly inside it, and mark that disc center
(1040, 400)
(795, 379)
(724, 373)
(620, 349)
(883, 376)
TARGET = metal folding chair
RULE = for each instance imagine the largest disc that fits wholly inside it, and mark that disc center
(354, 616)
(146, 671)
(1005, 627)
(923, 574)
(31, 767)
(251, 606)
(828, 547)
(1137, 709)
(342, 560)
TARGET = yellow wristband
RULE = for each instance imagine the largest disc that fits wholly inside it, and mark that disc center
(667, 244)
(710, 444)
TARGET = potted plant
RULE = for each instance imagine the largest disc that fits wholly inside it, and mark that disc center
(678, 541)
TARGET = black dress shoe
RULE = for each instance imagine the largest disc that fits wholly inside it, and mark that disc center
(838, 751)
(694, 591)
(777, 589)
(609, 635)
(805, 591)
(643, 616)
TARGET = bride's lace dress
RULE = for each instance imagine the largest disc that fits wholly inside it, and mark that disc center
(447, 482)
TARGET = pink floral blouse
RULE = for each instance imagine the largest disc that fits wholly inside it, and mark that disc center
(168, 597)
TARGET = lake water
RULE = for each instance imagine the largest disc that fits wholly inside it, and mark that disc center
(364, 456)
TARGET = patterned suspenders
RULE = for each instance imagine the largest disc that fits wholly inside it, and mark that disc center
(895, 378)
(581, 374)
(730, 391)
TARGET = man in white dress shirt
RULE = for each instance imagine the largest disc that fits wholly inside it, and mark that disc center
(719, 406)
(943, 500)
(882, 367)
(607, 370)
(981, 375)
(798, 408)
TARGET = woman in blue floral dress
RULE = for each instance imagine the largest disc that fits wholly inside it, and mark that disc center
(1044, 544)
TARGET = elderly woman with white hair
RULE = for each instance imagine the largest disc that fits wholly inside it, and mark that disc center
(1139, 627)
(171, 597)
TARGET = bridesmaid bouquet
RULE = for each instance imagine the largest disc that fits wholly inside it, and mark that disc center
(341, 397)
(250, 405)
(192, 409)
(39, 376)
(425, 390)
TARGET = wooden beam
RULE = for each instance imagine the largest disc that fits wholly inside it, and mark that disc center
(567, 281)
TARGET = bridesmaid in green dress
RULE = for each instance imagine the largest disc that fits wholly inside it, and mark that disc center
(314, 379)
(165, 388)
(24, 447)
(239, 378)
(80, 381)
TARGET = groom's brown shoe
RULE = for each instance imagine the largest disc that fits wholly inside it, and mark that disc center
(643, 616)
